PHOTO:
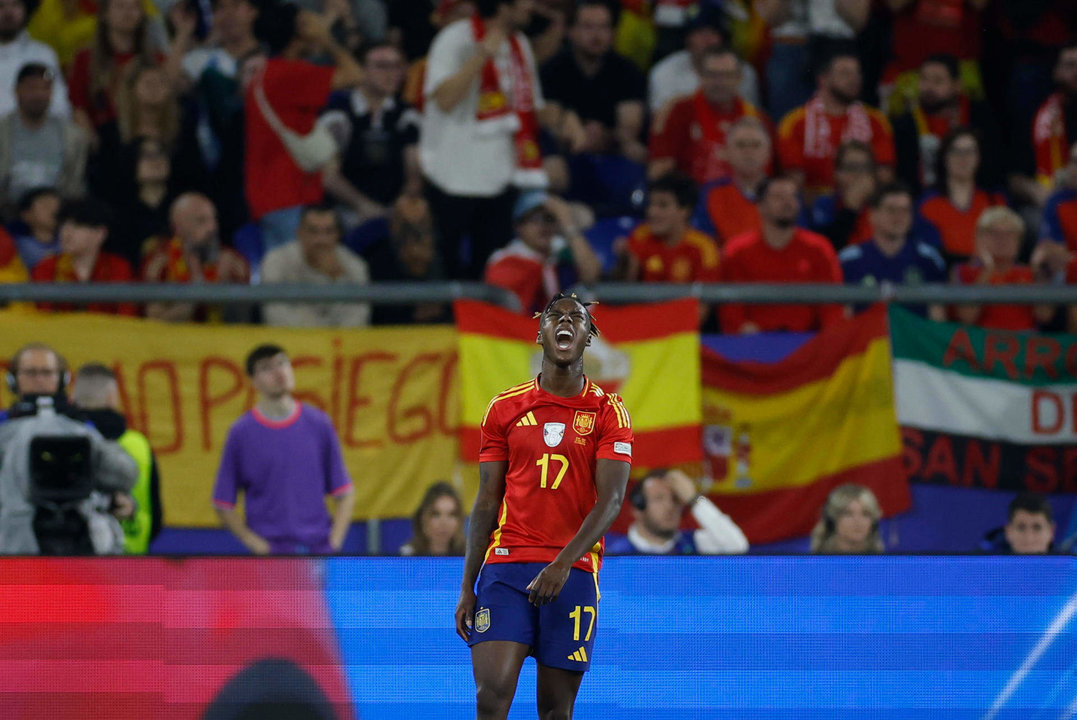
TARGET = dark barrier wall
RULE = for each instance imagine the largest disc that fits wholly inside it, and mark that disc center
(678, 638)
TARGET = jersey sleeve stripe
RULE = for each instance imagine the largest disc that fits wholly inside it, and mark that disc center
(510, 393)
(622, 413)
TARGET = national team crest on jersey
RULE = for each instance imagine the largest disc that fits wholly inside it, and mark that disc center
(482, 620)
(552, 433)
(584, 422)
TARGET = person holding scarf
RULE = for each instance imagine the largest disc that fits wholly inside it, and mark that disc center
(810, 135)
(193, 255)
(480, 139)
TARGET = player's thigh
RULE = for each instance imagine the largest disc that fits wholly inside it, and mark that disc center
(557, 691)
(502, 610)
(496, 665)
(568, 626)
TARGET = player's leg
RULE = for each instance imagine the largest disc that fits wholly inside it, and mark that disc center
(496, 665)
(557, 690)
(566, 638)
(502, 635)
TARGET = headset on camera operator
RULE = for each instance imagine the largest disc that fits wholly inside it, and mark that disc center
(57, 473)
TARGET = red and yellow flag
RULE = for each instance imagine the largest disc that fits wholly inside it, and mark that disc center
(778, 437)
(649, 354)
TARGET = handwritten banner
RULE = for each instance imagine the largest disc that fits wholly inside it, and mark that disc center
(392, 395)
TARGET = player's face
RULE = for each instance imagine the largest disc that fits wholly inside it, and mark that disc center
(273, 377)
(853, 524)
(1029, 533)
(38, 373)
(440, 524)
(564, 332)
(662, 516)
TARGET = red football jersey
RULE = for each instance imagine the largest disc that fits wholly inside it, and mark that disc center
(552, 445)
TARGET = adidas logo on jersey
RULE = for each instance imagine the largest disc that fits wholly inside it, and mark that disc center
(527, 420)
(579, 656)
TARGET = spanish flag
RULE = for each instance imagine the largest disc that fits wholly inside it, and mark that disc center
(648, 354)
(778, 437)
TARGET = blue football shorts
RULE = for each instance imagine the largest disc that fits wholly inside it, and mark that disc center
(561, 634)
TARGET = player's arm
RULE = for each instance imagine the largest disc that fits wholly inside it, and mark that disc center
(611, 478)
(481, 523)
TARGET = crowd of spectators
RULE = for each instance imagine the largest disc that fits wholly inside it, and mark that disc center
(327, 141)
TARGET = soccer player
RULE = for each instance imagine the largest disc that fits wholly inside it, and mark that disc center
(553, 467)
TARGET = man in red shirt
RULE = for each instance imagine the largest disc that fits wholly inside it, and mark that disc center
(1054, 121)
(728, 207)
(295, 90)
(779, 253)
(553, 467)
(665, 249)
(809, 136)
(690, 136)
(192, 255)
(83, 228)
(998, 241)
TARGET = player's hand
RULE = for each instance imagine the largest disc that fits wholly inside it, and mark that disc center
(465, 613)
(548, 583)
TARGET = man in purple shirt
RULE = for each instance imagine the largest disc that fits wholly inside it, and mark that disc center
(285, 458)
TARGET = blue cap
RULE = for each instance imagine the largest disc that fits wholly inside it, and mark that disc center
(528, 201)
(707, 15)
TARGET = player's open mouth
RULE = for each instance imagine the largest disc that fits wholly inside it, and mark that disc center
(564, 339)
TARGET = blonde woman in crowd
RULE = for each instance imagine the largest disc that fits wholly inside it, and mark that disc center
(438, 524)
(849, 523)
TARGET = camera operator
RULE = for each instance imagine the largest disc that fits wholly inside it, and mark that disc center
(42, 507)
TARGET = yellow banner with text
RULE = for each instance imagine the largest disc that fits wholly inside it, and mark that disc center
(391, 393)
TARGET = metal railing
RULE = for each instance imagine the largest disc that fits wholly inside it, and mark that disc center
(417, 292)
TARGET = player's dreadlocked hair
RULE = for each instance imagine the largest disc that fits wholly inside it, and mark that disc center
(592, 329)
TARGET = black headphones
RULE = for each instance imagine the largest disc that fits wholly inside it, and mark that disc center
(637, 497)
